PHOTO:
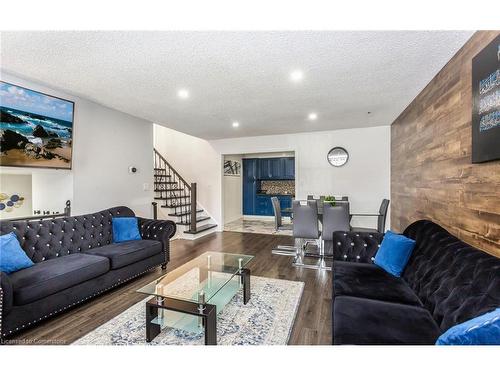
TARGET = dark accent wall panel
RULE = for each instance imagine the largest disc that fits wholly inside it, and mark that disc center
(432, 175)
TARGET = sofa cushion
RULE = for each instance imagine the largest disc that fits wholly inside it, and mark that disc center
(370, 281)
(482, 330)
(128, 252)
(125, 229)
(394, 252)
(51, 276)
(12, 256)
(371, 322)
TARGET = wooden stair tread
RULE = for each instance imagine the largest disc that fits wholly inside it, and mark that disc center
(201, 228)
(198, 219)
(180, 197)
(177, 205)
(157, 190)
(185, 213)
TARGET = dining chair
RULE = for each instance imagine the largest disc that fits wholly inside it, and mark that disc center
(381, 218)
(335, 218)
(278, 225)
(305, 229)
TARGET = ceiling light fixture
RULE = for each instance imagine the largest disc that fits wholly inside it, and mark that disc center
(296, 75)
(312, 116)
(183, 94)
(236, 124)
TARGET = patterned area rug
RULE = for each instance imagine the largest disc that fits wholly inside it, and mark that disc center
(267, 319)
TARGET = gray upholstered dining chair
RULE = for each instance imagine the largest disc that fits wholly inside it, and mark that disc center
(278, 220)
(305, 228)
(278, 225)
(335, 218)
(381, 218)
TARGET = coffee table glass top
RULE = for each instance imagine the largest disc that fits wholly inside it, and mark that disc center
(199, 279)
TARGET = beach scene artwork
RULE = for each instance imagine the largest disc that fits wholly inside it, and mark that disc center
(36, 129)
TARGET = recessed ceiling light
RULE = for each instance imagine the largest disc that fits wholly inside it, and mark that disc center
(312, 116)
(183, 94)
(296, 75)
(236, 124)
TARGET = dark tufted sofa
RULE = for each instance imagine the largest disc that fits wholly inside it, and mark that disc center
(445, 282)
(75, 259)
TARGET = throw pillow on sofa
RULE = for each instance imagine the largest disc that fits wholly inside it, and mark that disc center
(125, 229)
(394, 253)
(481, 330)
(12, 256)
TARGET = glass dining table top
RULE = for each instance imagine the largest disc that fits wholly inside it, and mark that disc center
(203, 277)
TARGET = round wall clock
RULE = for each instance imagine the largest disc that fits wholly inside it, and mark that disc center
(338, 156)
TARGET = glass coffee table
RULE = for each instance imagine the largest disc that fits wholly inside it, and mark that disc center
(189, 297)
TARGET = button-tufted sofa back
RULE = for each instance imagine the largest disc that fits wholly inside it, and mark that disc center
(356, 246)
(454, 281)
(51, 238)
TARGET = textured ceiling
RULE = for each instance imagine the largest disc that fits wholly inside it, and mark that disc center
(238, 76)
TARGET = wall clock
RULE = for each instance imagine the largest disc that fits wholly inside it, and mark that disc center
(338, 156)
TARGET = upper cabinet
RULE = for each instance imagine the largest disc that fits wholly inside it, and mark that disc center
(289, 168)
(264, 170)
(276, 168)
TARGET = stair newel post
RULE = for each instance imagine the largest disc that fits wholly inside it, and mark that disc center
(193, 207)
(155, 210)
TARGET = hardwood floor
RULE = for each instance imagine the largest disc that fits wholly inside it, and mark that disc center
(312, 323)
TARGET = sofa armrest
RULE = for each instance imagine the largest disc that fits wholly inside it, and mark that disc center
(159, 230)
(6, 296)
(356, 246)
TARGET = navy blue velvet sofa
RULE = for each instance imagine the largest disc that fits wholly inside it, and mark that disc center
(75, 259)
(445, 282)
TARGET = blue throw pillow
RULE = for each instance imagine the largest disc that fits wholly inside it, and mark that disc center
(12, 256)
(125, 229)
(482, 330)
(394, 252)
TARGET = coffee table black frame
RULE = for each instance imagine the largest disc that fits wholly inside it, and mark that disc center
(205, 311)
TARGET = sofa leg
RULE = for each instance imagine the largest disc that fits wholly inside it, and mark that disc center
(164, 266)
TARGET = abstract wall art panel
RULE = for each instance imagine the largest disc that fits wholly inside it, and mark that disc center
(232, 168)
(486, 103)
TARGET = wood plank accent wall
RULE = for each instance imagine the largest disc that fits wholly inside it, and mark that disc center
(432, 176)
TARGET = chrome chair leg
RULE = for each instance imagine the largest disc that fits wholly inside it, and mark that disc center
(284, 250)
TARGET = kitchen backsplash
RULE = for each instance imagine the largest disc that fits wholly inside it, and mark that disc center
(278, 187)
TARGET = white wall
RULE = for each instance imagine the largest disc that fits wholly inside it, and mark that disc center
(51, 189)
(233, 193)
(105, 143)
(365, 178)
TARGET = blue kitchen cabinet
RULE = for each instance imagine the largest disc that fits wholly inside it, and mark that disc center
(276, 168)
(264, 171)
(249, 186)
(285, 202)
(264, 206)
(288, 168)
(256, 170)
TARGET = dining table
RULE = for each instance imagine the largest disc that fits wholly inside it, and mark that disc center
(289, 210)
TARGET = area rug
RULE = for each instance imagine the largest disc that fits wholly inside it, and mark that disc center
(267, 319)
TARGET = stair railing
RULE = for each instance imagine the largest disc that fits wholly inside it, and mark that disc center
(179, 194)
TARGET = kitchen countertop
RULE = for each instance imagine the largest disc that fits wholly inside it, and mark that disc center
(277, 195)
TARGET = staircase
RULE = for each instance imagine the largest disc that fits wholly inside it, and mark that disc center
(179, 199)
